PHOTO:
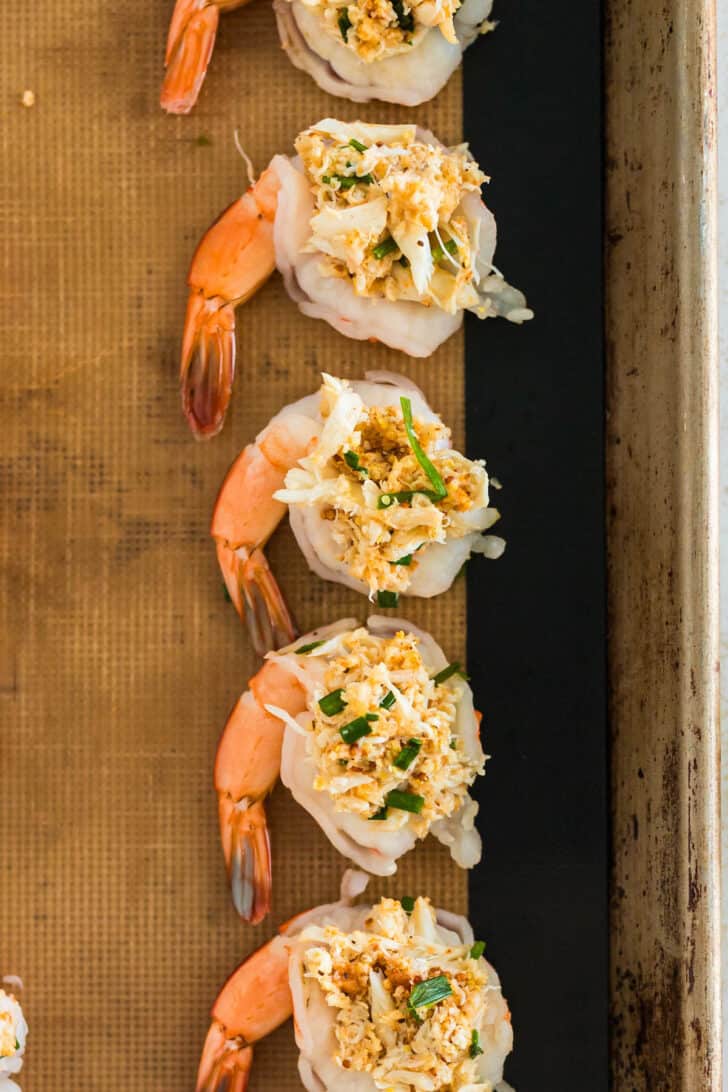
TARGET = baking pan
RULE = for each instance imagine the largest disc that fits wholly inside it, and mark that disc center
(662, 480)
(120, 657)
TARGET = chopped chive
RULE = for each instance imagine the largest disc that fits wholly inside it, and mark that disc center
(387, 246)
(387, 598)
(437, 482)
(355, 729)
(438, 253)
(352, 459)
(17, 1044)
(408, 754)
(405, 801)
(357, 145)
(404, 496)
(226, 593)
(407, 903)
(332, 703)
(388, 700)
(430, 992)
(346, 181)
(405, 19)
(308, 648)
(326, 179)
(475, 1047)
(406, 560)
(343, 762)
(447, 672)
(381, 813)
(477, 950)
(344, 22)
(453, 744)
(203, 141)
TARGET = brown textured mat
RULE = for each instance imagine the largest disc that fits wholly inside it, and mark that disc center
(120, 657)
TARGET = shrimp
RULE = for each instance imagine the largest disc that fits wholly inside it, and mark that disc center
(190, 42)
(403, 66)
(352, 1019)
(247, 766)
(303, 718)
(235, 257)
(334, 460)
(246, 514)
(346, 254)
(254, 1001)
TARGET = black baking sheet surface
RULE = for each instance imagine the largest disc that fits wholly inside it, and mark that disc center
(536, 618)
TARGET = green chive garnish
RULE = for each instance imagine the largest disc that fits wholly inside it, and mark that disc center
(357, 145)
(406, 560)
(308, 648)
(384, 248)
(477, 950)
(388, 700)
(405, 19)
(407, 903)
(387, 598)
(447, 672)
(356, 729)
(453, 745)
(380, 814)
(343, 762)
(475, 1047)
(346, 181)
(352, 459)
(405, 801)
(408, 754)
(332, 703)
(344, 22)
(428, 993)
(437, 482)
(438, 253)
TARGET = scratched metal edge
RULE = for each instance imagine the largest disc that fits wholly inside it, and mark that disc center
(662, 520)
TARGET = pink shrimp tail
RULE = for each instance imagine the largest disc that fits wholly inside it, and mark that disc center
(257, 598)
(225, 1064)
(207, 368)
(190, 43)
(246, 845)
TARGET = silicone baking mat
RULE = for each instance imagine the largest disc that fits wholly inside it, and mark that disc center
(121, 657)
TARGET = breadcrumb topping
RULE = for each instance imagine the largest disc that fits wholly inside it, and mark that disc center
(389, 216)
(374, 979)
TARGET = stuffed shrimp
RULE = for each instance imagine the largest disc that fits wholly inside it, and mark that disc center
(378, 500)
(372, 731)
(396, 997)
(379, 230)
(401, 51)
(13, 1035)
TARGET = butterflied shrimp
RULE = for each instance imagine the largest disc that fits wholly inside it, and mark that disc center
(378, 500)
(373, 733)
(13, 1035)
(402, 52)
(379, 230)
(390, 995)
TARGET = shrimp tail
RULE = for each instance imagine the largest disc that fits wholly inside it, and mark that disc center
(190, 43)
(207, 367)
(269, 620)
(257, 598)
(247, 849)
(225, 1064)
